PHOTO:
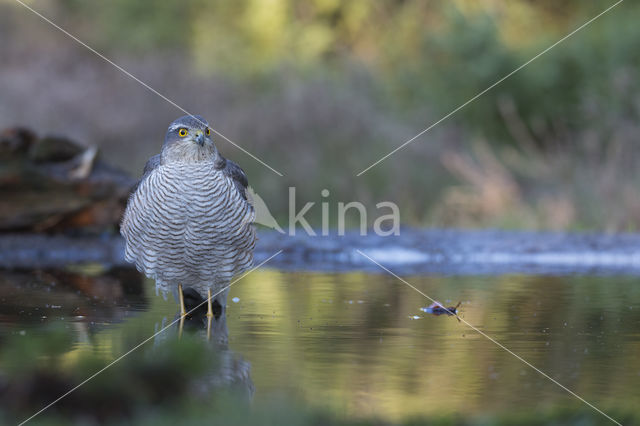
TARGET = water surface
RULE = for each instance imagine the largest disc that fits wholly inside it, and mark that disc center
(358, 344)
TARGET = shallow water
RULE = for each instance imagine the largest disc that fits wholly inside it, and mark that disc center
(358, 344)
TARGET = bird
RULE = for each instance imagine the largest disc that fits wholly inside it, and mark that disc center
(188, 223)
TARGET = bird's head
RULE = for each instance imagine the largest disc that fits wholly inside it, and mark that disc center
(188, 140)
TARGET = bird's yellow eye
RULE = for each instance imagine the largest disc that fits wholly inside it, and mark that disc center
(182, 132)
(207, 132)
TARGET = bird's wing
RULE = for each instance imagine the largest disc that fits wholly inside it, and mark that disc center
(151, 165)
(234, 171)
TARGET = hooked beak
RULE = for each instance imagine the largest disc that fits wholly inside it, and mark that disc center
(200, 138)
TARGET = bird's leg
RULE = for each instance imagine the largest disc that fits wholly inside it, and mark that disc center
(180, 326)
(209, 307)
(183, 312)
(209, 314)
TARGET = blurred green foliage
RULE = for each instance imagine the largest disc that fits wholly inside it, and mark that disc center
(414, 53)
(438, 53)
(39, 369)
(570, 88)
(320, 89)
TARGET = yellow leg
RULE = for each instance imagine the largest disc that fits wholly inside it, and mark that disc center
(209, 303)
(209, 327)
(180, 327)
(183, 312)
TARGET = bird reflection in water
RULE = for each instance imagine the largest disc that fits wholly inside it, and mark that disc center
(229, 369)
(200, 316)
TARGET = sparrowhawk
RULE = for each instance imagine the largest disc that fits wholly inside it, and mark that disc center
(188, 222)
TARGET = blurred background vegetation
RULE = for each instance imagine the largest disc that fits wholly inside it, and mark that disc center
(320, 89)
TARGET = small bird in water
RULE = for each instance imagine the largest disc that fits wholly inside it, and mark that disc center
(437, 308)
(188, 223)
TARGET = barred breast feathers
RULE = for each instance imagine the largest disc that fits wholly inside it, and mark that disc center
(188, 223)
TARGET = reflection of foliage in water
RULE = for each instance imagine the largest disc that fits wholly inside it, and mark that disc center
(365, 360)
(166, 375)
(160, 386)
(39, 376)
(368, 357)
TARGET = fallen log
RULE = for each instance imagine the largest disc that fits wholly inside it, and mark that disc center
(53, 184)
